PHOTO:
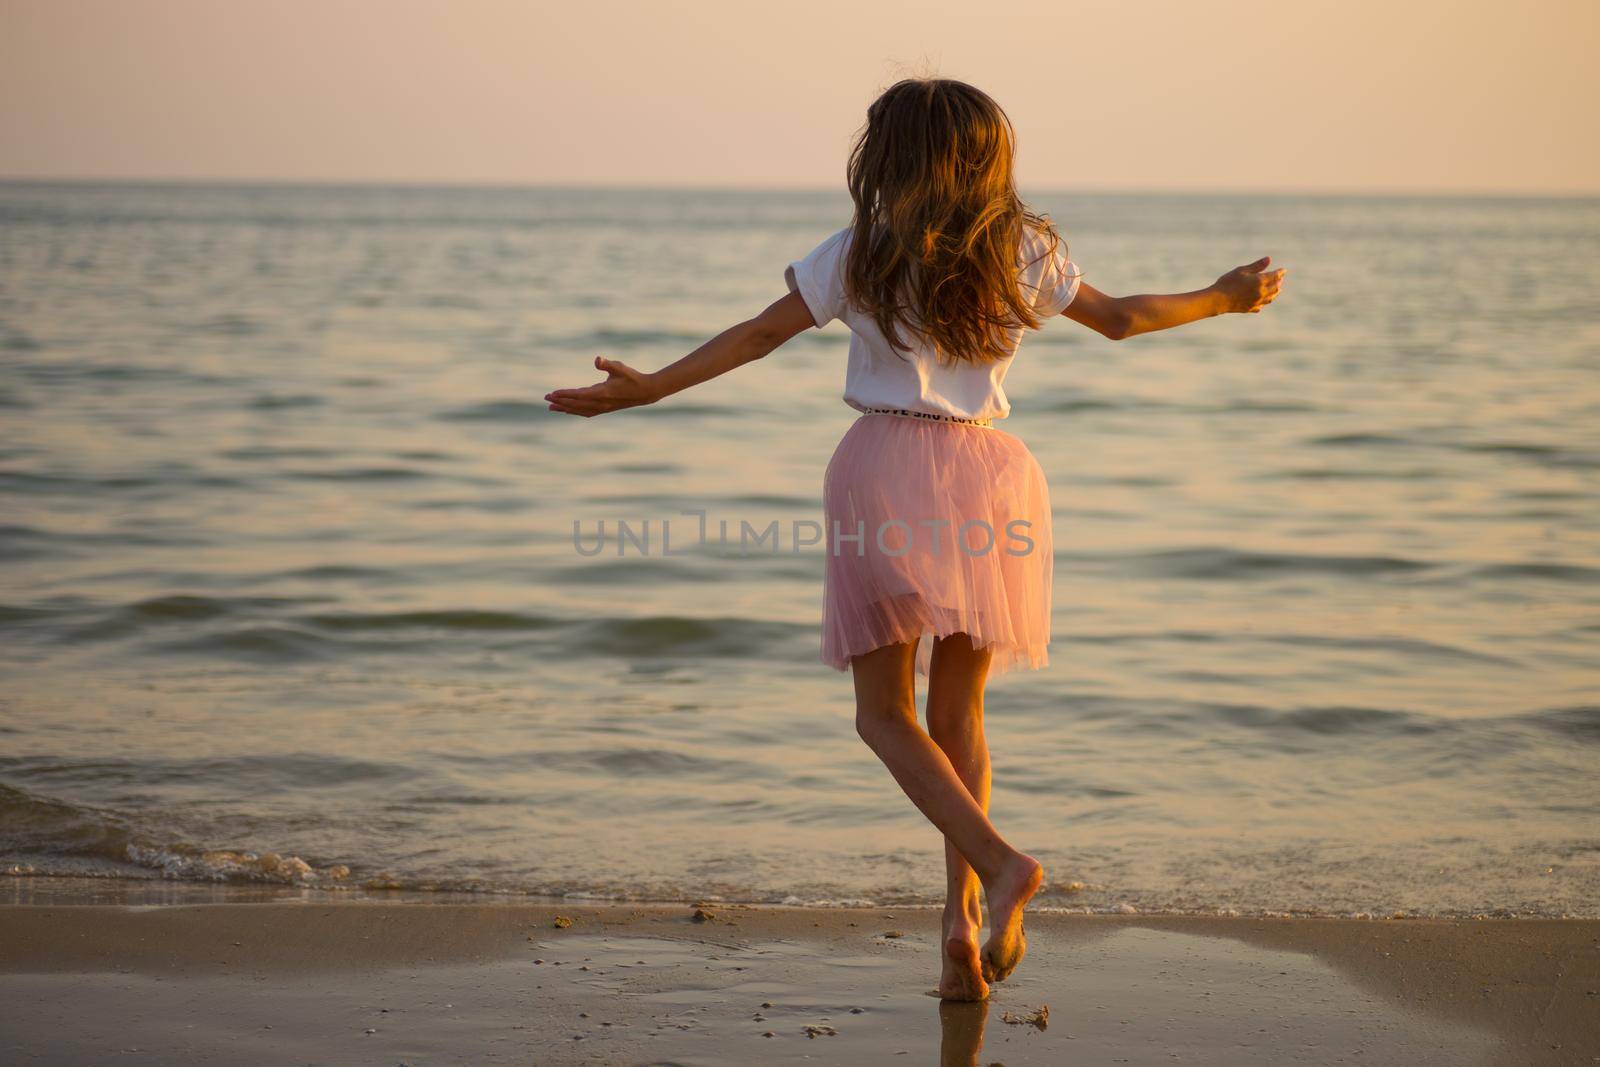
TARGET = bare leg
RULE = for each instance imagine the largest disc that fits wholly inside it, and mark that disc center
(955, 722)
(886, 719)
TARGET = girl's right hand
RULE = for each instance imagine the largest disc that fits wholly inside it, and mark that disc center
(624, 387)
(1250, 287)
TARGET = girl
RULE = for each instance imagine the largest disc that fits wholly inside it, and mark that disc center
(937, 525)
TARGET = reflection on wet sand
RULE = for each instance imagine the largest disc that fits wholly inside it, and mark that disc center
(650, 985)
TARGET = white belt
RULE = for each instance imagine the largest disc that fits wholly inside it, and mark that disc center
(931, 416)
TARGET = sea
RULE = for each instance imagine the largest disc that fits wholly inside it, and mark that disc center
(305, 592)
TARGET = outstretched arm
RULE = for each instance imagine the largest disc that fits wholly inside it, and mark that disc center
(1247, 288)
(739, 344)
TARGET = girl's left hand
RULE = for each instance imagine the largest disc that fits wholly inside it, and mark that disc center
(624, 387)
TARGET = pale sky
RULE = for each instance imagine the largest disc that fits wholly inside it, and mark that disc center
(1354, 95)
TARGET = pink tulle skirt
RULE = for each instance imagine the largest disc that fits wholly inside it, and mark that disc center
(935, 528)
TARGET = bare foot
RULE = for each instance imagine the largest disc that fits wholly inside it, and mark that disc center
(1007, 897)
(963, 976)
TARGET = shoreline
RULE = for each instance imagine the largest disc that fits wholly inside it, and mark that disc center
(348, 980)
(70, 890)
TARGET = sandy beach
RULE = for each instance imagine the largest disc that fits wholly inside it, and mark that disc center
(310, 982)
(365, 699)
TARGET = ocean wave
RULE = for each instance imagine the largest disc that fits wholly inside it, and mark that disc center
(359, 474)
(1229, 563)
(499, 411)
(275, 401)
(443, 619)
(1076, 404)
(253, 452)
(1580, 722)
(172, 482)
(13, 340)
(268, 629)
(186, 608)
(1330, 474)
(676, 635)
(1330, 719)
(1409, 646)
(636, 571)
(42, 837)
(229, 324)
(247, 870)
(331, 572)
(54, 833)
(265, 644)
(1544, 454)
(1552, 454)
(153, 614)
(1263, 407)
(53, 372)
(1363, 440)
(1539, 571)
(19, 542)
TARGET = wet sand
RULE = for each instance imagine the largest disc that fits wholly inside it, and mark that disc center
(363, 982)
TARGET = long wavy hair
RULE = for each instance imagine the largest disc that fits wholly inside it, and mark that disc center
(937, 223)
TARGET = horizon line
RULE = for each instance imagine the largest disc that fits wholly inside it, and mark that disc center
(1420, 192)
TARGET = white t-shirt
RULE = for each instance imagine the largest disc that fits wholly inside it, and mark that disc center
(917, 380)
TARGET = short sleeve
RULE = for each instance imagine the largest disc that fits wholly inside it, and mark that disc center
(1052, 278)
(819, 278)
